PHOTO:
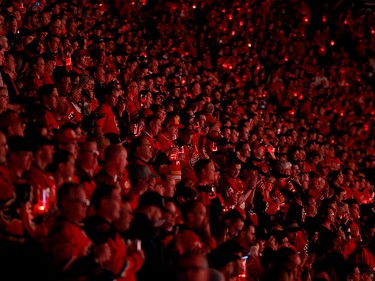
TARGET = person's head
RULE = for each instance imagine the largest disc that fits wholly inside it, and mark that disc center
(72, 201)
(284, 168)
(48, 96)
(153, 125)
(4, 99)
(290, 259)
(170, 213)
(132, 89)
(328, 215)
(151, 204)
(317, 181)
(354, 209)
(243, 149)
(20, 153)
(171, 124)
(106, 200)
(43, 149)
(194, 214)
(234, 222)
(88, 155)
(63, 164)
(3, 148)
(126, 215)
(141, 148)
(112, 95)
(205, 170)
(67, 140)
(37, 65)
(116, 158)
(311, 206)
(227, 258)
(11, 124)
(248, 234)
(80, 58)
(63, 81)
(53, 43)
(186, 134)
(234, 168)
(192, 266)
(50, 63)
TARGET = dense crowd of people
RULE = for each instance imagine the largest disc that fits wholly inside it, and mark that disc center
(187, 140)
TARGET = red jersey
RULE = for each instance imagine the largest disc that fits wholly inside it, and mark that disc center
(67, 242)
(108, 122)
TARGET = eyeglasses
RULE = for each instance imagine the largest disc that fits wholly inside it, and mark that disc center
(84, 202)
(93, 152)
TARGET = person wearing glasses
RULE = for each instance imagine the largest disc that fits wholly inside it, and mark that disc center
(73, 253)
(86, 165)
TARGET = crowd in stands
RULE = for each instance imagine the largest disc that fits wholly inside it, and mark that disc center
(193, 140)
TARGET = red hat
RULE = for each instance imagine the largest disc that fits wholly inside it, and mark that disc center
(79, 52)
(173, 119)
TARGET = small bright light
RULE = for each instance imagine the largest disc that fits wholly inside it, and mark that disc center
(249, 45)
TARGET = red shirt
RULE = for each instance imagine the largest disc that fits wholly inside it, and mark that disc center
(108, 122)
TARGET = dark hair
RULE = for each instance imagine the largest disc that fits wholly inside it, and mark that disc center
(200, 165)
(102, 192)
(65, 190)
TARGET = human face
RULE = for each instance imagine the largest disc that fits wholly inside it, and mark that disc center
(199, 214)
(156, 128)
(68, 168)
(133, 89)
(209, 174)
(88, 154)
(194, 267)
(126, 216)
(146, 150)
(54, 44)
(53, 99)
(246, 150)
(24, 159)
(235, 228)
(4, 100)
(47, 153)
(112, 98)
(39, 67)
(50, 67)
(155, 215)
(354, 211)
(170, 214)
(123, 161)
(3, 148)
(76, 205)
(250, 235)
(234, 170)
(111, 206)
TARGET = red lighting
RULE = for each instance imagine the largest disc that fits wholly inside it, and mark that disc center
(233, 33)
(230, 17)
(286, 58)
(306, 19)
(241, 23)
(332, 43)
(194, 6)
(345, 21)
(324, 19)
(295, 94)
